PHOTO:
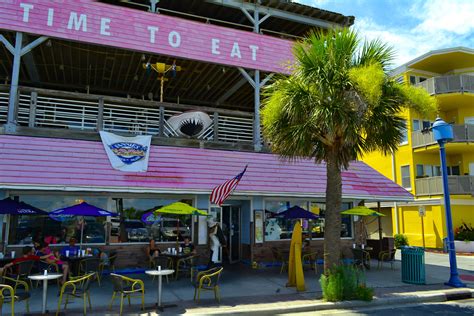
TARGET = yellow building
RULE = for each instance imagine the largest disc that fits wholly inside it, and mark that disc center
(448, 74)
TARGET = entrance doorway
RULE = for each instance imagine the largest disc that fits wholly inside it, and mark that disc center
(231, 226)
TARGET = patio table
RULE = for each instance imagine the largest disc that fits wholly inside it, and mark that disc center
(74, 262)
(45, 278)
(160, 274)
(175, 256)
(360, 256)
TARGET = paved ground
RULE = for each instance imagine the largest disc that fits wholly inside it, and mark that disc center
(248, 287)
(463, 307)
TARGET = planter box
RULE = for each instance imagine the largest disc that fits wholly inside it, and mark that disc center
(462, 246)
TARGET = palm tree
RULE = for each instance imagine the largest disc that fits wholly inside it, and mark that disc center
(338, 103)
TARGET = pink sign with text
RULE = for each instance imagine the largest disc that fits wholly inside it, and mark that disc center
(103, 24)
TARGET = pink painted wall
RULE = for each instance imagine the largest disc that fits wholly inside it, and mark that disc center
(66, 162)
(110, 25)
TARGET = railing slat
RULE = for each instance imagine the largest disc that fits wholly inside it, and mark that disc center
(434, 185)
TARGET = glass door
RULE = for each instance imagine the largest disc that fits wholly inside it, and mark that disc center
(234, 234)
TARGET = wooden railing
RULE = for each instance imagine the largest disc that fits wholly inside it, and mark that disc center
(434, 185)
(41, 108)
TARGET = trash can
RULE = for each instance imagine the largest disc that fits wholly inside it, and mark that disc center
(413, 265)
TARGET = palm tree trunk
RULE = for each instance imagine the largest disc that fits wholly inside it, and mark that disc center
(332, 225)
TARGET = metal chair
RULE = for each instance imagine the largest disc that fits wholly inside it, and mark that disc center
(10, 294)
(278, 256)
(186, 265)
(88, 266)
(208, 280)
(361, 258)
(386, 256)
(110, 264)
(21, 271)
(77, 288)
(164, 263)
(127, 287)
(309, 260)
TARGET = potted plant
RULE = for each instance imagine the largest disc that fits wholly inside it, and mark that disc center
(464, 238)
(400, 240)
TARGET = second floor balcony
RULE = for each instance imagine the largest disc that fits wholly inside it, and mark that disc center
(78, 115)
(462, 134)
(448, 84)
(434, 185)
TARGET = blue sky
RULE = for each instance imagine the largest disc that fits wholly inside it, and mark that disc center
(412, 27)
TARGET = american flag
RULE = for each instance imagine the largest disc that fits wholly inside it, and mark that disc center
(221, 192)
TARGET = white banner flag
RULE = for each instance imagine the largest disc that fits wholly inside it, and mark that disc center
(127, 153)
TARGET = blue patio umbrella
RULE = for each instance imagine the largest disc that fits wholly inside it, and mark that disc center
(12, 207)
(83, 209)
(150, 217)
(296, 212)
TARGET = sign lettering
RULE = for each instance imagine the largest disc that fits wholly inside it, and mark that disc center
(104, 24)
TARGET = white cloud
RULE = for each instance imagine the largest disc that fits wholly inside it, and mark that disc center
(417, 28)
(438, 24)
(445, 16)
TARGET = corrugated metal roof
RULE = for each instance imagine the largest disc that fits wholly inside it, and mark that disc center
(65, 164)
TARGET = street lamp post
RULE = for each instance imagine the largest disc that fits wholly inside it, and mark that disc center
(443, 132)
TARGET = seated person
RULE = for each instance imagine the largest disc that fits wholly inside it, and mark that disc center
(50, 239)
(72, 248)
(27, 256)
(54, 258)
(187, 246)
(152, 250)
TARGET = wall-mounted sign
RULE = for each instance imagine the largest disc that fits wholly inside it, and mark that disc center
(258, 226)
(104, 24)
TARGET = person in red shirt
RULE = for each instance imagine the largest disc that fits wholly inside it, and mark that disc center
(27, 255)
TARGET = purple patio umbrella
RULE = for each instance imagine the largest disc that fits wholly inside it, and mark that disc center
(296, 212)
(12, 207)
(83, 209)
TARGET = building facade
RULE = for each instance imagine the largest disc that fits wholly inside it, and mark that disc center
(447, 74)
(188, 73)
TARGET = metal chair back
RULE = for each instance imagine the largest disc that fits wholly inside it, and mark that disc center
(117, 282)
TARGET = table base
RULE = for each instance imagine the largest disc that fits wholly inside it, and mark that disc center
(163, 306)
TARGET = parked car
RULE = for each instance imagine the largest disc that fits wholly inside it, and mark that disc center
(136, 230)
(94, 233)
(171, 227)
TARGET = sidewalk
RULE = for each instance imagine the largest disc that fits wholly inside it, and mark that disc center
(246, 290)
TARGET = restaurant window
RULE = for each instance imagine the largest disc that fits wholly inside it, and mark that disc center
(420, 173)
(137, 223)
(416, 125)
(454, 170)
(406, 180)
(278, 228)
(24, 229)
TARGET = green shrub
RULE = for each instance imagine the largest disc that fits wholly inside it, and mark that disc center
(400, 240)
(344, 283)
(364, 293)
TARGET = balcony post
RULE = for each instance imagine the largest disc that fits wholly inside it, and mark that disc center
(216, 126)
(17, 51)
(161, 131)
(33, 103)
(100, 115)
